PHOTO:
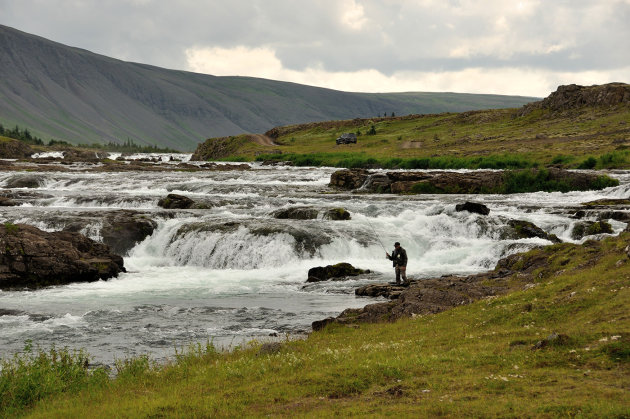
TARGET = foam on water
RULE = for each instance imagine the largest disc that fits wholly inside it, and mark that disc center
(233, 271)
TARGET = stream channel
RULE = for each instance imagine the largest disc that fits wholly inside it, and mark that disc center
(231, 273)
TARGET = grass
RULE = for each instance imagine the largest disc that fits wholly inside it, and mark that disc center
(598, 138)
(475, 361)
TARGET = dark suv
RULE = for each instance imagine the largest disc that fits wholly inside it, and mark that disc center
(347, 138)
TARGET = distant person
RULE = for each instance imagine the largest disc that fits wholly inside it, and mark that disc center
(399, 258)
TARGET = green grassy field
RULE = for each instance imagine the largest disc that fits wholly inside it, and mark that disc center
(477, 360)
(585, 138)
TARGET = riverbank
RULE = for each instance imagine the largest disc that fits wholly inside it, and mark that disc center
(558, 345)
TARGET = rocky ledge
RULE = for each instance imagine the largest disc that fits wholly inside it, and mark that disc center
(32, 258)
(476, 182)
(434, 295)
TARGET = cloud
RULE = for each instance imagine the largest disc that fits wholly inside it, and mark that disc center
(361, 45)
(264, 63)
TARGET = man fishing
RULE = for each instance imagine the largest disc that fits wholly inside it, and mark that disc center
(399, 258)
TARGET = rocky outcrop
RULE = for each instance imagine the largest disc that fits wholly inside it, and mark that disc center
(7, 202)
(434, 295)
(590, 228)
(337, 272)
(218, 148)
(174, 201)
(573, 96)
(33, 258)
(14, 149)
(527, 230)
(473, 207)
(428, 296)
(476, 182)
(24, 181)
(310, 213)
(296, 213)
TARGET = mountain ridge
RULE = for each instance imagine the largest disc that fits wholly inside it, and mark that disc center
(73, 94)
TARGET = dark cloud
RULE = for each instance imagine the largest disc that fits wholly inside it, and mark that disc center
(344, 35)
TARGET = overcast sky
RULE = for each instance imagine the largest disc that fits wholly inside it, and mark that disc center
(525, 47)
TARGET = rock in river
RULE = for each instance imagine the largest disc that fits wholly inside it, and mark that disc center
(174, 201)
(473, 207)
(334, 272)
(34, 258)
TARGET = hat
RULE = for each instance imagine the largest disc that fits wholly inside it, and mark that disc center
(396, 244)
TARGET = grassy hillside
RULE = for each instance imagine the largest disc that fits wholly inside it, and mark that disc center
(74, 95)
(558, 345)
(468, 139)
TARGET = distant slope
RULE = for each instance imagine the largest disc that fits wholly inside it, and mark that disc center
(72, 94)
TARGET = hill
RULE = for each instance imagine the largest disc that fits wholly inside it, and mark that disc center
(573, 125)
(81, 97)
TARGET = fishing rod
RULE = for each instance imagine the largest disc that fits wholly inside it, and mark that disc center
(375, 233)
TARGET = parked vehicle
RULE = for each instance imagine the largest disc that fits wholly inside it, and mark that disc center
(347, 138)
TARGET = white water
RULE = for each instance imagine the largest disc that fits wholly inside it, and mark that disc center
(233, 272)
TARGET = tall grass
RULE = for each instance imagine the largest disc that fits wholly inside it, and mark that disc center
(33, 375)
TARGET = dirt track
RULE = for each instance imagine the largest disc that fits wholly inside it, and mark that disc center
(262, 139)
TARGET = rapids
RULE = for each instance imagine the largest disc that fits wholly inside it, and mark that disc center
(232, 272)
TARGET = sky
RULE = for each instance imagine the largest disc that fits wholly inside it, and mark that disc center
(515, 47)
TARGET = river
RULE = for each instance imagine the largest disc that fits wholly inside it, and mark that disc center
(232, 272)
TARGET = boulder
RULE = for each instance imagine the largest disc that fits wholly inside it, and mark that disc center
(309, 213)
(296, 213)
(349, 178)
(7, 202)
(473, 207)
(527, 230)
(174, 201)
(337, 214)
(337, 272)
(590, 228)
(24, 181)
(122, 230)
(33, 258)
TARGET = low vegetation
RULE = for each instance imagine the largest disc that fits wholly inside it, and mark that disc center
(558, 346)
(597, 137)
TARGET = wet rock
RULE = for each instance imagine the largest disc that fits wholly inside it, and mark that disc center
(386, 290)
(34, 258)
(5, 312)
(14, 149)
(336, 272)
(7, 202)
(124, 229)
(614, 215)
(309, 213)
(174, 201)
(337, 214)
(296, 213)
(410, 182)
(473, 207)
(225, 167)
(349, 178)
(527, 230)
(24, 181)
(590, 228)
(608, 202)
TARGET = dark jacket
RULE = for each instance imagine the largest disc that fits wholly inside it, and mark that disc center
(399, 257)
